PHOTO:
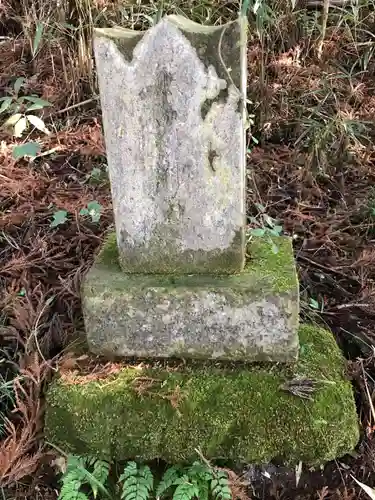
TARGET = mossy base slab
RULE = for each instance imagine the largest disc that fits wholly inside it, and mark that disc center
(250, 316)
(240, 413)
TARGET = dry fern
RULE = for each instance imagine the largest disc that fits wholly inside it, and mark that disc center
(21, 451)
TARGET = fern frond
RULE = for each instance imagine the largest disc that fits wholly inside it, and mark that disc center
(76, 465)
(220, 488)
(129, 471)
(147, 474)
(77, 495)
(168, 480)
(186, 491)
(77, 475)
(70, 489)
(72, 462)
(204, 490)
(201, 471)
(100, 473)
(88, 462)
(138, 482)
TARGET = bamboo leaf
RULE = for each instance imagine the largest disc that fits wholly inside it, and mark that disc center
(38, 37)
(12, 120)
(7, 101)
(18, 84)
(38, 123)
(37, 100)
(370, 491)
(20, 127)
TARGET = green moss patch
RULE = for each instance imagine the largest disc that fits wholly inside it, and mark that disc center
(233, 412)
(265, 270)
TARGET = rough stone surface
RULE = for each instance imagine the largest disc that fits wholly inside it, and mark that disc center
(234, 412)
(173, 112)
(251, 316)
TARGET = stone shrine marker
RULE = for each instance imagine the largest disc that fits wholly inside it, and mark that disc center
(173, 110)
(173, 280)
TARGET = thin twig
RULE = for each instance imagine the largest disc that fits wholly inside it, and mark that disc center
(330, 269)
(368, 392)
(353, 304)
(74, 106)
(34, 334)
(203, 458)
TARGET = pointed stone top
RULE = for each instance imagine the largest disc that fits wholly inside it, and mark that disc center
(181, 22)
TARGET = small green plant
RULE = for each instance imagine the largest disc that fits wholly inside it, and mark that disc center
(315, 305)
(93, 210)
(199, 481)
(85, 478)
(59, 218)
(19, 108)
(39, 28)
(253, 140)
(265, 227)
(96, 176)
(29, 149)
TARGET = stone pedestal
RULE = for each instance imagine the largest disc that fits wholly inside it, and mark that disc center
(250, 316)
(239, 413)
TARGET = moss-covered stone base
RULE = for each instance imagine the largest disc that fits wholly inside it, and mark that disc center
(249, 316)
(234, 412)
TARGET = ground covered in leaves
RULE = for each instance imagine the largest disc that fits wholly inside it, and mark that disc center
(311, 166)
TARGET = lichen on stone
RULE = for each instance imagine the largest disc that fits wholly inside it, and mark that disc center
(236, 412)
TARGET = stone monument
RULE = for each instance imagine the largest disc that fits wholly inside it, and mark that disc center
(178, 279)
(173, 101)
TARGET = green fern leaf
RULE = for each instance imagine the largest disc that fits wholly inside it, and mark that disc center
(74, 461)
(100, 473)
(78, 495)
(168, 479)
(70, 491)
(71, 485)
(71, 476)
(186, 491)
(129, 470)
(138, 482)
(130, 489)
(220, 488)
(78, 473)
(149, 478)
(140, 493)
(204, 490)
(201, 471)
(76, 466)
(130, 481)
